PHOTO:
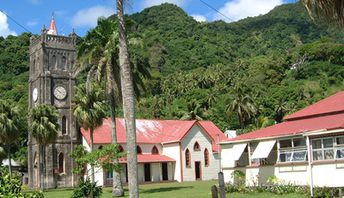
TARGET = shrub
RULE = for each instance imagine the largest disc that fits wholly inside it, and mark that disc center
(86, 188)
(11, 186)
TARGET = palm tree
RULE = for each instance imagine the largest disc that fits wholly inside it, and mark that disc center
(328, 10)
(128, 103)
(44, 128)
(88, 111)
(194, 111)
(9, 120)
(242, 105)
(99, 51)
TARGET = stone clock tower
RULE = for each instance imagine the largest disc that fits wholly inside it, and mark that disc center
(51, 82)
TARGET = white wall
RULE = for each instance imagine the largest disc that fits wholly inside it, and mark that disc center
(173, 151)
(210, 172)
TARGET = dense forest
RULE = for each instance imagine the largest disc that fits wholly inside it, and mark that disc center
(243, 75)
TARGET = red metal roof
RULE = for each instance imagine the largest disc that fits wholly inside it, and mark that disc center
(332, 104)
(294, 127)
(153, 131)
(214, 132)
(146, 158)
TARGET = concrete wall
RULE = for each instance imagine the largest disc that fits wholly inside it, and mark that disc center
(210, 172)
(173, 151)
(329, 175)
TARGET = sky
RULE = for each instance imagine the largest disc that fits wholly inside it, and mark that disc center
(81, 15)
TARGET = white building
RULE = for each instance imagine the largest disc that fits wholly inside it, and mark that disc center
(169, 150)
(282, 150)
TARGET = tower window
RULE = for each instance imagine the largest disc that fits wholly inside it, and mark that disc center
(138, 150)
(187, 158)
(206, 157)
(197, 147)
(155, 151)
(61, 163)
(53, 62)
(64, 62)
(64, 125)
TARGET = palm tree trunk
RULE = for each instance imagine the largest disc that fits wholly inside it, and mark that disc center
(92, 147)
(9, 160)
(44, 168)
(128, 103)
(117, 187)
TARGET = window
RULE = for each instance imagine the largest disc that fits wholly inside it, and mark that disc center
(155, 151)
(339, 147)
(35, 160)
(100, 147)
(53, 62)
(187, 158)
(138, 150)
(206, 157)
(64, 125)
(63, 62)
(292, 150)
(197, 147)
(61, 163)
(323, 149)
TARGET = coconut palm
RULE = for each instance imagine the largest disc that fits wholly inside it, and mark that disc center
(328, 10)
(242, 105)
(9, 120)
(89, 112)
(128, 102)
(44, 128)
(99, 52)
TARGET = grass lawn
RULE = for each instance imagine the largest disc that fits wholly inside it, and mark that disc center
(199, 189)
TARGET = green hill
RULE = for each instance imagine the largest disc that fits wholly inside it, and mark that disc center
(281, 60)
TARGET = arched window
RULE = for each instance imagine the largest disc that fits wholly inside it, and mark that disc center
(187, 158)
(61, 163)
(138, 150)
(64, 125)
(197, 147)
(63, 62)
(120, 148)
(35, 160)
(53, 62)
(206, 157)
(155, 151)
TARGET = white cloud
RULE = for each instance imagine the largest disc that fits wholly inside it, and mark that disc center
(88, 17)
(35, 2)
(199, 18)
(150, 3)
(240, 9)
(4, 29)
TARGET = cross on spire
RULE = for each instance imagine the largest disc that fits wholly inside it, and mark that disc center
(52, 28)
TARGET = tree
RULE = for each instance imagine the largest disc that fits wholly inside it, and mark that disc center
(89, 112)
(44, 128)
(328, 10)
(128, 103)
(243, 105)
(9, 120)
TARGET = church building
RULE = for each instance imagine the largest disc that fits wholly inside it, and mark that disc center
(51, 82)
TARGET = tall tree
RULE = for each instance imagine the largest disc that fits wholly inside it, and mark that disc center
(128, 103)
(328, 10)
(44, 128)
(242, 105)
(9, 120)
(88, 111)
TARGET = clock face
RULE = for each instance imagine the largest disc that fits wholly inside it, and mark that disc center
(35, 94)
(60, 93)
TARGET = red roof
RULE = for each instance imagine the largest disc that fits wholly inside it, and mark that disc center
(214, 132)
(153, 131)
(52, 28)
(332, 104)
(146, 158)
(295, 127)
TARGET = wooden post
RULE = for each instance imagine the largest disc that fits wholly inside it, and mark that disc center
(222, 185)
(214, 192)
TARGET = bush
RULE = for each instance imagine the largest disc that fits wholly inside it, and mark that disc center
(86, 188)
(11, 186)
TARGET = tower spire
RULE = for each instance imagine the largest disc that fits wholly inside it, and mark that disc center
(52, 28)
